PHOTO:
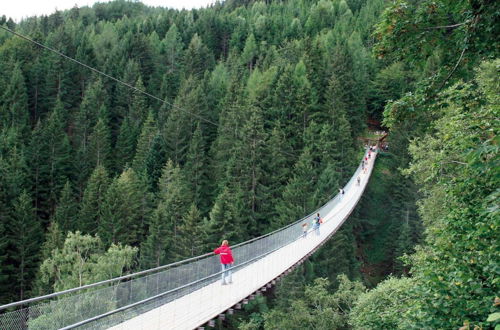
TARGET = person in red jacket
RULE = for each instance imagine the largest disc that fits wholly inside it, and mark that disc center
(226, 261)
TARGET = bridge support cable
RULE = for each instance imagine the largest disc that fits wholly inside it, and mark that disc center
(166, 295)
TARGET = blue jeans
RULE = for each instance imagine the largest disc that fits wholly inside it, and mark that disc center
(316, 228)
(226, 268)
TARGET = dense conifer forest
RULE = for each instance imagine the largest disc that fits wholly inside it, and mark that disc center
(239, 118)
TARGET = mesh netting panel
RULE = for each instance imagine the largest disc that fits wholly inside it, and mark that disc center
(73, 308)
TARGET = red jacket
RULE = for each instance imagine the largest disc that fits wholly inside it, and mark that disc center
(226, 256)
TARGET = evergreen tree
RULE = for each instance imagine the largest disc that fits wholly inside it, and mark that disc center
(54, 239)
(298, 194)
(100, 145)
(139, 107)
(148, 133)
(50, 161)
(14, 170)
(192, 234)
(338, 256)
(125, 211)
(404, 244)
(249, 53)
(190, 105)
(198, 57)
(65, 215)
(231, 121)
(94, 99)
(90, 215)
(196, 173)
(5, 268)
(294, 102)
(225, 221)
(245, 168)
(155, 159)
(175, 197)
(171, 50)
(344, 92)
(277, 166)
(123, 96)
(125, 146)
(25, 236)
(342, 150)
(158, 242)
(14, 108)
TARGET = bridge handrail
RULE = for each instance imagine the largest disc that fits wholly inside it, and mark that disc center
(152, 270)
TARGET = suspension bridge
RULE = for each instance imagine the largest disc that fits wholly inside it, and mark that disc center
(188, 294)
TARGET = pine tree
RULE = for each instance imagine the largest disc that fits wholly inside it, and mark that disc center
(100, 145)
(90, 215)
(139, 107)
(277, 165)
(189, 106)
(298, 194)
(196, 173)
(171, 50)
(65, 215)
(158, 241)
(125, 211)
(123, 97)
(125, 146)
(342, 151)
(25, 236)
(14, 170)
(5, 267)
(54, 239)
(294, 102)
(230, 123)
(175, 197)
(155, 159)
(192, 234)
(225, 221)
(198, 57)
(149, 131)
(14, 107)
(246, 169)
(343, 90)
(404, 244)
(249, 52)
(50, 161)
(86, 119)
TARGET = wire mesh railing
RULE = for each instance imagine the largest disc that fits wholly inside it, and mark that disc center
(167, 283)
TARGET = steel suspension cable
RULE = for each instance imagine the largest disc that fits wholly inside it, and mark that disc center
(129, 85)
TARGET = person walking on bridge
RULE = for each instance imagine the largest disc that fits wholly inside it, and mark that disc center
(226, 261)
(316, 223)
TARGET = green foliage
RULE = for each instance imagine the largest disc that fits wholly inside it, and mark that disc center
(383, 307)
(14, 103)
(100, 145)
(90, 215)
(65, 215)
(318, 309)
(456, 270)
(83, 260)
(297, 195)
(125, 211)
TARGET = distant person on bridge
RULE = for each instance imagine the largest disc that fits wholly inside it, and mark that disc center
(341, 192)
(226, 261)
(316, 223)
(304, 230)
(359, 180)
